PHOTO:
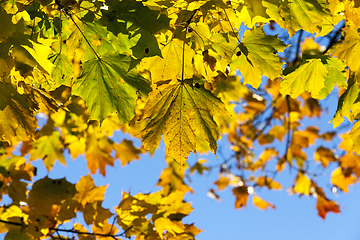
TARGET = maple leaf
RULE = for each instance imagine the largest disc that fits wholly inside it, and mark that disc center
(242, 195)
(170, 65)
(49, 148)
(62, 71)
(324, 205)
(87, 192)
(324, 155)
(261, 204)
(222, 183)
(355, 136)
(98, 150)
(257, 56)
(342, 179)
(46, 192)
(17, 113)
(114, 88)
(350, 48)
(94, 213)
(127, 152)
(302, 185)
(346, 105)
(180, 112)
(302, 14)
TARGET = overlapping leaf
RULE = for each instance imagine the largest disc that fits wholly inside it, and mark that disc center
(257, 56)
(108, 87)
(17, 113)
(181, 112)
(312, 75)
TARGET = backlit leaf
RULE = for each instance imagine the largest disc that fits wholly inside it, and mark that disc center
(258, 57)
(302, 185)
(49, 148)
(17, 113)
(350, 48)
(107, 86)
(324, 155)
(87, 192)
(180, 112)
(339, 179)
(241, 194)
(169, 66)
(126, 152)
(324, 205)
(261, 204)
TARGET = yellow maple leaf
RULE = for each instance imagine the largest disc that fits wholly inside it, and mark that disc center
(87, 192)
(339, 179)
(302, 185)
(260, 203)
(181, 112)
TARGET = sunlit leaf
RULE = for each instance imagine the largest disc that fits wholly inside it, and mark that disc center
(339, 179)
(180, 112)
(261, 204)
(107, 86)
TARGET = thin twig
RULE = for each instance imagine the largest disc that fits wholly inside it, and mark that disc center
(334, 40)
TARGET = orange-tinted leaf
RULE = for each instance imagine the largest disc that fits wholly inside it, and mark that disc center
(222, 183)
(98, 152)
(242, 195)
(352, 162)
(268, 182)
(260, 203)
(323, 205)
(339, 179)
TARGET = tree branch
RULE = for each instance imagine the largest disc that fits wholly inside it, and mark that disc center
(57, 230)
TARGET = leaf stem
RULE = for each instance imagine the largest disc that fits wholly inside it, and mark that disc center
(77, 26)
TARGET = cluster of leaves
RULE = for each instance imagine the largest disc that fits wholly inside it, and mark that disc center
(168, 69)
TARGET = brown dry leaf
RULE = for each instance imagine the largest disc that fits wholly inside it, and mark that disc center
(242, 195)
(261, 204)
(324, 155)
(339, 179)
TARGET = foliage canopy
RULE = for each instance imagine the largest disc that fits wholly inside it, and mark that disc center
(170, 69)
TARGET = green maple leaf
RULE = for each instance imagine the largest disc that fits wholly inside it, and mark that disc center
(257, 56)
(17, 114)
(180, 112)
(108, 87)
(316, 74)
(138, 22)
(62, 71)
